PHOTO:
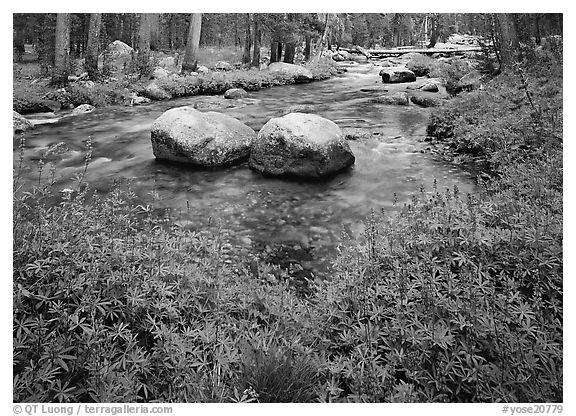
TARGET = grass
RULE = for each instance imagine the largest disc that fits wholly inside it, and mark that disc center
(458, 298)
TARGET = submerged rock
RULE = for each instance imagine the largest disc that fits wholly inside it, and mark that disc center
(397, 75)
(300, 73)
(303, 145)
(20, 123)
(212, 103)
(186, 135)
(398, 98)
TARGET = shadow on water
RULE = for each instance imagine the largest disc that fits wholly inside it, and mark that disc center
(305, 219)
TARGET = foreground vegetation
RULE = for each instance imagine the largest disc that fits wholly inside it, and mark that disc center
(457, 298)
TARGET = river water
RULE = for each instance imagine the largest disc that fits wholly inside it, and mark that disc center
(304, 219)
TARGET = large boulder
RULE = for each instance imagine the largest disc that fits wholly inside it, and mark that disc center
(186, 135)
(155, 92)
(118, 56)
(302, 145)
(298, 72)
(397, 75)
(20, 123)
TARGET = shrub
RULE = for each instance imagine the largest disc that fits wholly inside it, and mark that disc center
(421, 65)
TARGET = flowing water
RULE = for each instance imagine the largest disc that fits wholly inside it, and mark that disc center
(261, 212)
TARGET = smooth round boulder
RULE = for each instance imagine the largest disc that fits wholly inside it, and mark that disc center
(211, 139)
(300, 145)
(298, 72)
(397, 75)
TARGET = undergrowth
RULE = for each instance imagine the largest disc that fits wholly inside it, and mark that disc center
(457, 298)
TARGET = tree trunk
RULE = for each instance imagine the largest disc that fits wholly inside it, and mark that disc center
(144, 67)
(537, 33)
(273, 51)
(318, 53)
(193, 43)
(308, 47)
(154, 31)
(508, 40)
(92, 49)
(61, 49)
(257, 42)
(434, 34)
(289, 53)
(247, 40)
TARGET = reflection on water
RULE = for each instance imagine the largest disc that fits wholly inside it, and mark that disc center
(260, 211)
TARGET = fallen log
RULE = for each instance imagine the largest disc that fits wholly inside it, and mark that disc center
(426, 51)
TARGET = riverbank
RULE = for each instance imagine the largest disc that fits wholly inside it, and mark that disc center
(33, 93)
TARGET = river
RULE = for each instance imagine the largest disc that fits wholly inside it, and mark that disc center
(261, 214)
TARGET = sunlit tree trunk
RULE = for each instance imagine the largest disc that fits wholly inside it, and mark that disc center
(61, 49)
(92, 49)
(193, 43)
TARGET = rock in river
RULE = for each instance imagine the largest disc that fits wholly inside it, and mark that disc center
(303, 145)
(396, 75)
(233, 93)
(82, 109)
(398, 98)
(186, 135)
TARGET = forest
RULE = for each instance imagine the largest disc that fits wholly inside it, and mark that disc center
(287, 207)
